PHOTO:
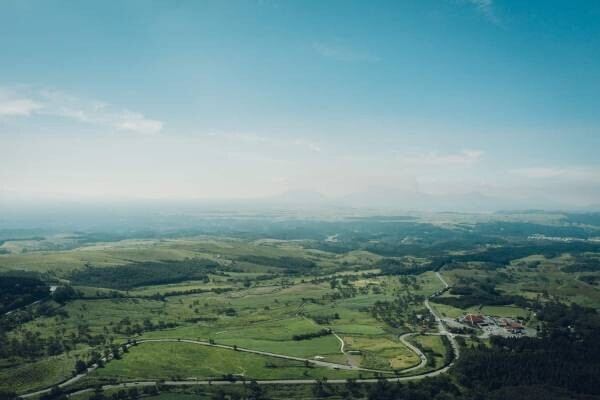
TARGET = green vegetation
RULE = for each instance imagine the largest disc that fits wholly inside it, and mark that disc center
(144, 273)
(18, 290)
(293, 265)
(338, 291)
(186, 360)
(434, 349)
(566, 355)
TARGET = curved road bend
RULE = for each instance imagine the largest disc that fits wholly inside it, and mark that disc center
(441, 328)
(266, 353)
(222, 346)
(414, 349)
(342, 345)
(271, 382)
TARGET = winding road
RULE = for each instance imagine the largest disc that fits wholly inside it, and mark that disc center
(415, 350)
(441, 331)
(319, 363)
(240, 382)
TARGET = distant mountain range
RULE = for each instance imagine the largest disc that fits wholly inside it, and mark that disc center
(385, 198)
(147, 214)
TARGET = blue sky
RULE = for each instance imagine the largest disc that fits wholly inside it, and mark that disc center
(202, 99)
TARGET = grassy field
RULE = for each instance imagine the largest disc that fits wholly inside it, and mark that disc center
(502, 311)
(381, 352)
(435, 345)
(536, 277)
(447, 311)
(61, 263)
(39, 374)
(189, 361)
(494, 311)
(264, 307)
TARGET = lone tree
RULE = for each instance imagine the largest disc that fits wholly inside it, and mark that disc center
(80, 366)
(255, 391)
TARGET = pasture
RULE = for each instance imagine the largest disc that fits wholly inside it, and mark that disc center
(285, 297)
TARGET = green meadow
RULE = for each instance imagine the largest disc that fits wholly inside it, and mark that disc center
(331, 301)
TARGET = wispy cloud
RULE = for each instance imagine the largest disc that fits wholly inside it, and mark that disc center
(135, 122)
(250, 138)
(341, 52)
(486, 8)
(433, 159)
(239, 137)
(18, 107)
(28, 103)
(307, 143)
(567, 173)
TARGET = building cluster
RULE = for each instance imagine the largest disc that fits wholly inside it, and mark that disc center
(512, 326)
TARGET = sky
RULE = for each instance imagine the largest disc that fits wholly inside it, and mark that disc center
(193, 100)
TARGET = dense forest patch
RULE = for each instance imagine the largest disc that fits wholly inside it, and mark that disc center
(583, 263)
(290, 264)
(144, 273)
(499, 257)
(479, 294)
(19, 290)
(566, 355)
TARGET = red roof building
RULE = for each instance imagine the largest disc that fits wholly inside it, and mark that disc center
(474, 319)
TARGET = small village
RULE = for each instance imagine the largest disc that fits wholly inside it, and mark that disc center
(498, 326)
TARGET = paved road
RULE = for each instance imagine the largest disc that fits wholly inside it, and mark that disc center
(441, 331)
(441, 327)
(69, 381)
(414, 349)
(222, 346)
(22, 307)
(441, 278)
(319, 363)
(271, 382)
(51, 290)
(221, 382)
